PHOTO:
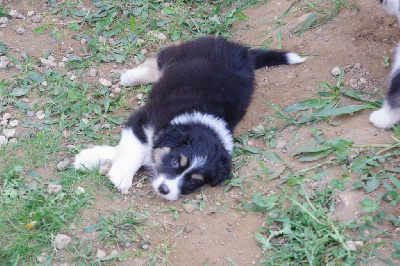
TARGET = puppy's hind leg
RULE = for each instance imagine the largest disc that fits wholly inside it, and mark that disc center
(146, 73)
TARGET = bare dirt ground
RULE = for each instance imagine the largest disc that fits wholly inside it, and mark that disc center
(355, 40)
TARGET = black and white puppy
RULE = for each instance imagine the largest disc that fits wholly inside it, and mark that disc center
(184, 131)
(389, 114)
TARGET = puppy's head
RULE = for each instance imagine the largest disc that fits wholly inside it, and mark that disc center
(186, 157)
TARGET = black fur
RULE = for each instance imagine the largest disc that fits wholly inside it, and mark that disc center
(211, 76)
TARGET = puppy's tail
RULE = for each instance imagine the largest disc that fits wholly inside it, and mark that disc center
(264, 58)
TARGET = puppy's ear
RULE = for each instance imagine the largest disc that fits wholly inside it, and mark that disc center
(222, 169)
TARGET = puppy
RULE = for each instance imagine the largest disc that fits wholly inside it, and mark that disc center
(184, 131)
(389, 114)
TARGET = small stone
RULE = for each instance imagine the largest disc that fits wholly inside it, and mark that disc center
(72, 77)
(145, 246)
(105, 82)
(30, 13)
(188, 207)
(83, 41)
(13, 13)
(20, 30)
(105, 168)
(101, 254)
(9, 132)
(3, 140)
(124, 192)
(13, 123)
(79, 191)
(144, 51)
(3, 20)
(93, 72)
(60, 241)
(117, 90)
(40, 115)
(140, 41)
(363, 80)
(161, 36)
(42, 257)
(48, 63)
(69, 51)
(6, 116)
(139, 96)
(30, 113)
(102, 39)
(359, 243)
(20, 16)
(351, 245)
(335, 71)
(188, 229)
(53, 188)
(3, 25)
(62, 165)
(61, 65)
(114, 253)
(44, 83)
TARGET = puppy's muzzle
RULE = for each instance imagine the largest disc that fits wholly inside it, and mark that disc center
(163, 189)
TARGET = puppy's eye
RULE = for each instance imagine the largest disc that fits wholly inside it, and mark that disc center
(191, 181)
(175, 163)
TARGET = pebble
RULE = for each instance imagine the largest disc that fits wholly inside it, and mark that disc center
(30, 13)
(42, 257)
(60, 241)
(20, 30)
(61, 65)
(93, 72)
(13, 13)
(83, 41)
(3, 25)
(62, 165)
(37, 18)
(101, 254)
(102, 39)
(188, 207)
(105, 82)
(9, 132)
(40, 115)
(72, 77)
(30, 113)
(335, 71)
(145, 246)
(6, 116)
(13, 123)
(3, 140)
(3, 20)
(69, 51)
(48, 63)
(4, 62)
(351, 244)
(53, 188)
(114, 253)
(20, 16)
(117, 90)
(144, 51)
(105, 168)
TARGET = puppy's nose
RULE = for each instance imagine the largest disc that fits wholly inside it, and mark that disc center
(163, 189)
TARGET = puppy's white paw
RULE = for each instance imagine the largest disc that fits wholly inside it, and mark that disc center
(385, 117)
(89, 159)
(121, 176)
(132, 77)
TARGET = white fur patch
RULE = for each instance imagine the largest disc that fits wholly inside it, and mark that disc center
(88, 159)
(293, 58)
(131, 155)
(145, 73)
(217, 124)
(396, 63)
(385, 117)
(173, 184)
(392, 7)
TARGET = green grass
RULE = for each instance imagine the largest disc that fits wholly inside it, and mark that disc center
(298, 227)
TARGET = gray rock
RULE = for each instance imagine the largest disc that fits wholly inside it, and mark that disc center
(13, 123)
(4, 61)
(13, 13)
(3, 20)
(101, 254)
(60, 241)
(20, 31)
(62, 165)
(48, 63)
(93, 72)
(3, 140)
(37, 18)
(20, 16)
(53, 188)
(335, 71)
(188, 207)
(9, 132)
(30, 13)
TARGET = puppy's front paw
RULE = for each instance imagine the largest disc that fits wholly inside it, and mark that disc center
(121, 176)
(384, 118)
(90, 158)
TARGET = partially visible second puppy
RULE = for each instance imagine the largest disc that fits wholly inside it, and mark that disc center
(389, 114)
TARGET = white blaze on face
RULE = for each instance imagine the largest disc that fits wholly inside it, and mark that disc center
(173, 184)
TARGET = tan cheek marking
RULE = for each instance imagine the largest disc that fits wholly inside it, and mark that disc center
(159, 153)
(197, 177)
(184, 160)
